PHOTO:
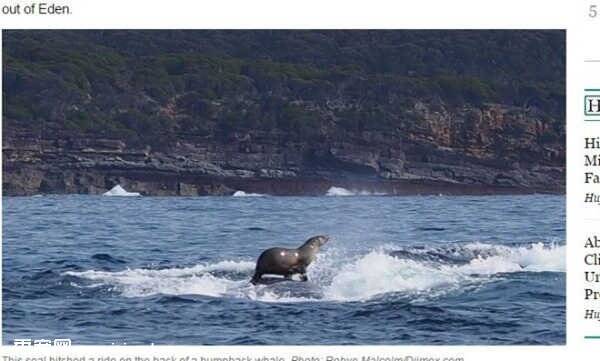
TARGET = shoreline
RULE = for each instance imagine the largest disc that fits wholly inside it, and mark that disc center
(289, 187)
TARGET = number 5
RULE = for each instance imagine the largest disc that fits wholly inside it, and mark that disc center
(593, 11)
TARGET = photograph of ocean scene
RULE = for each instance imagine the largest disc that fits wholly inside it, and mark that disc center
(284, 187)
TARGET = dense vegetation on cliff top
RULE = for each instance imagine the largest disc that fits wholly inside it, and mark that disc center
(159, 86)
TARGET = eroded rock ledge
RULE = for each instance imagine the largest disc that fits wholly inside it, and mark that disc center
(493, 149)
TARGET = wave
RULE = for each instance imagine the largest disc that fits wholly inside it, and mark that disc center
(106, 257)
(244, 194)
(196, 280)
(341, 192)
(382, 272)
(336, 277)
(118, 191)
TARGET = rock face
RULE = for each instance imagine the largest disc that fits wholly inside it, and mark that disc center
(465, 152)
(72, 129)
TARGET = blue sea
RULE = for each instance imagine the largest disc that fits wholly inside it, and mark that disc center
(398, 270)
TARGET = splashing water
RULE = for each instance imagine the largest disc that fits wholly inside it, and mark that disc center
(364, 277)
(244, 194)
(343, 192)
(118, 191)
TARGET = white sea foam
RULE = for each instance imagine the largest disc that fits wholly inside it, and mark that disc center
(196, 280)
(379, 273)
(244, 194)
(118, 191)
(341, 192)
(358, 278)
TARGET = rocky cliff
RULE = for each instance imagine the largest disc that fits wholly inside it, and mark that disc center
(288, 112)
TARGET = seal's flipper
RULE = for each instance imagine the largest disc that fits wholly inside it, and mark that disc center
(255, 279)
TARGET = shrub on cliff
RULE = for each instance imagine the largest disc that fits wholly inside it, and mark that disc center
(137, 84)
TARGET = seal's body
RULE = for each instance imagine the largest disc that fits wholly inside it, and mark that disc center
(288, 261)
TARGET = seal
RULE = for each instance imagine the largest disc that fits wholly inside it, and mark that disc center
(288, 261)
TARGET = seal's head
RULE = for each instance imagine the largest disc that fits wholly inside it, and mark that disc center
(316, 241)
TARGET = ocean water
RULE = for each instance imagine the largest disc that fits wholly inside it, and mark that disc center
(398, 270)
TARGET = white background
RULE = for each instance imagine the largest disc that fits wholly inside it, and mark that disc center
(583, 36)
